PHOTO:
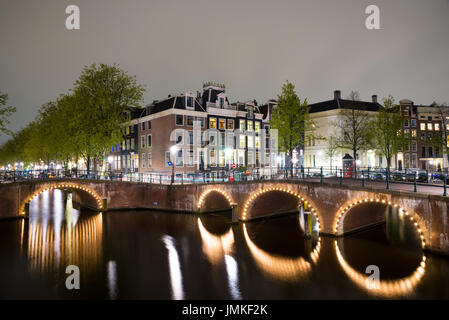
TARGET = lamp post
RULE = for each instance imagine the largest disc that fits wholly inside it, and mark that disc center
(228, 157)
(173, 150)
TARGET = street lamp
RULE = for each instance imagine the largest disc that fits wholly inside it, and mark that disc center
(173, 150)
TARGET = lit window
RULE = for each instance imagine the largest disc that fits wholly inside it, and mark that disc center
(258, 142)
(250, 142)
(212, 123)
(242, 125)
(429, 126)
(230, 124)
(242, 141)
(414, 133)
(190, 121)
(250, 126)
(437, 127)
(257, 126)
(422, 126)
(221, 124)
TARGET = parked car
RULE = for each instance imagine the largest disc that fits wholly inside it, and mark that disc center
(376, 176)
(397, 176)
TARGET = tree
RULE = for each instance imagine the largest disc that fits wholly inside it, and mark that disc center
(291, 119)
(100, 99)
(5, 113)
(331, 148)
(387, 128)
(354, 96)
(354, 128)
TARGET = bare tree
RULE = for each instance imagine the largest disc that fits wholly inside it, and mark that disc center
(354, 96)
(354, 126)
(331, 149)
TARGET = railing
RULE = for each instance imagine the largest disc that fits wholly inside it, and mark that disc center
(412, 179)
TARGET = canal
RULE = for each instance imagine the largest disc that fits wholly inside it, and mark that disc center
(159, 255)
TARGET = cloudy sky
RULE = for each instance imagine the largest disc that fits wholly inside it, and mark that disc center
(251, 45)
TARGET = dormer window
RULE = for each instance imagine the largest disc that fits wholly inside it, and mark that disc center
(250, 113)
(221, 103)
(190, 101)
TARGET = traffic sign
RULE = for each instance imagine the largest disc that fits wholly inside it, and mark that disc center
(233, 165)
(170, 163)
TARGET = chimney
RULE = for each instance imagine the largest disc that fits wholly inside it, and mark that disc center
(337, 94)
(374, 97)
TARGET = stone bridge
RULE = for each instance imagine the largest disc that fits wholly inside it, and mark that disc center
(334, 209)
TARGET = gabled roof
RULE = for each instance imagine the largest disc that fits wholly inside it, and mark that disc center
(343, 104)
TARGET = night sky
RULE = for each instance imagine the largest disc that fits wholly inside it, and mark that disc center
(251, 45)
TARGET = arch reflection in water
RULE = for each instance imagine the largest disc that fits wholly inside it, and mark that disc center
(53, 243)
(278, 267)
(216, 248)
(386, 288)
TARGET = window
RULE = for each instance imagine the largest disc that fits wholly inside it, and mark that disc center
(430, 152)
(242, 125)
(437, 153)
(250, 113)
(222, 139)
(257, 142)
(190, 138)
(267, 130)
(189, 102)
(132, 143)
(178, 135)
(230, 140)
(414, 160)
(437, 127)
(230, 124)
(413, 122)
(423, 152)
(242, 141)
(250, 126)
(212, 123)
(406, 123)
(213, 138)
(257, 126)
(179, 158)
(267, 143)
(222, 124)
(143, 129)
(143, 160)
(429, 118)
(250, 142)
(190, 158)
(190, 121)
(149, 124)
(143, 142)
(423, 136)
(414, 133)
(414, 147)
(422, 126)
(212, 159)
(150, 160)
(201, 121)
(221, 158)
(221, 103)
(429, 126)
(179, 120)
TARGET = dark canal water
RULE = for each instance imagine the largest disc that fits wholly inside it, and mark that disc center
(156, 255)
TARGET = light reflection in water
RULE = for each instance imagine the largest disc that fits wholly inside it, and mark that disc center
(51, 243)
(387, 288)
(233, 277)
(174, 267)
(281, 268)
(112, 279)
(215, 247)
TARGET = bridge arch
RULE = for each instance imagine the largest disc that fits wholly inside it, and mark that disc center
(338, 222)
(250, 200)
(64, 186)
(221, 192)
